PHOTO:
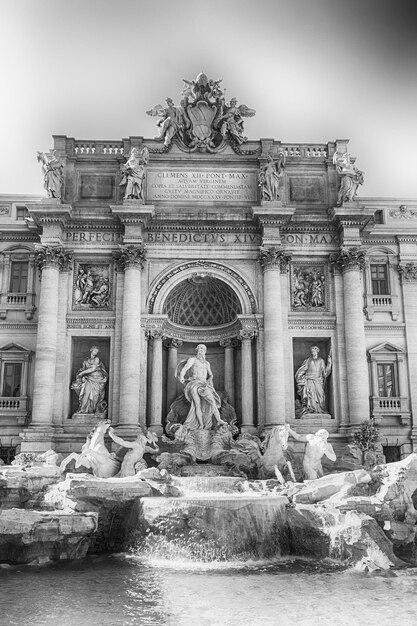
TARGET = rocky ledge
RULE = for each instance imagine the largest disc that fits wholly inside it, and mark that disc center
(364, 518)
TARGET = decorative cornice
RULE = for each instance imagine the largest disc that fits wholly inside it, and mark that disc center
(273, 258)
(408, 271)
(53, 256)
(130, 256)
(382, 328)
(349, 259)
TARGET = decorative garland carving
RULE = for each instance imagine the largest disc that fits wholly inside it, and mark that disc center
(130, 256)
(53, 256)
(408, 271)
(274, 257)
(403, 212)
(208, 265)
(349, 258)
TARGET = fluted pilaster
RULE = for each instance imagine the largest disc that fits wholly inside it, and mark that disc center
(157, 336)
(408, 274)
(248, 421)
(172, 345)
(229, 368)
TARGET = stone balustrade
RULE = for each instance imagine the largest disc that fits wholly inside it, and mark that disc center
(305, 150)
(13, 404)
(109, 148)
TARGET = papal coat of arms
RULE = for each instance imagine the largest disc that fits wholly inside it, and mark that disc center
(203, 120)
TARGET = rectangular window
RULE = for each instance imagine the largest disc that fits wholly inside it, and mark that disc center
(386, 380)
(379, 217)
(21, 213)
(12, 376)
(19, 277)
(379, 278)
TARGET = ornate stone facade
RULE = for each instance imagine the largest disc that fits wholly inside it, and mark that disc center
(148, 247)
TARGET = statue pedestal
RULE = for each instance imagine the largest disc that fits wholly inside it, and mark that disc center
(315, 417)
(88, 418)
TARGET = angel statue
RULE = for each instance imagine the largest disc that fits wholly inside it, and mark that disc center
(53, 173)
(231, 122)
(134, 173)
(350, 176)
(172, 120)
(269, 175)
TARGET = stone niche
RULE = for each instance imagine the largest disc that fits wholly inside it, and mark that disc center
(80, 351)
(301, 351)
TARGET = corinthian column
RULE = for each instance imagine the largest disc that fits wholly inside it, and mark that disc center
(352, 261)
(229, 369)
(156, 381)
(131, 260)
(173, 345)
(273, 261)
(50, 260)
(246, 337)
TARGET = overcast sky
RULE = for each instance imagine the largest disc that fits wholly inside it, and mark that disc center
(314, 70)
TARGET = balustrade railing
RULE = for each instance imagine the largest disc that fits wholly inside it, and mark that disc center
(109, 148)
(10, 405)
(16, 298)
(389, 405)
(309, 151)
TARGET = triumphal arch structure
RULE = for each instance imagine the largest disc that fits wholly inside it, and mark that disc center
(261, 250)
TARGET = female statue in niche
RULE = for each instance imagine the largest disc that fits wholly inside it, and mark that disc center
(90, 383)
(310, 379)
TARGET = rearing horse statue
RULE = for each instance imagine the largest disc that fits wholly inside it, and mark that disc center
(94, 454)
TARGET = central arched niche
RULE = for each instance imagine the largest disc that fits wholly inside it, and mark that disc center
(202, 301)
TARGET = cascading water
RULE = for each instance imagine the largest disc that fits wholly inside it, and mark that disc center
(212, 521)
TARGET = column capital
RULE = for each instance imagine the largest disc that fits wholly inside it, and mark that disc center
(408, 271)
(173, 342)
(349, 259)
(155, 333)
(53, 256)
(274, 258)
(130, 256)
(230, 342)
(247, 334)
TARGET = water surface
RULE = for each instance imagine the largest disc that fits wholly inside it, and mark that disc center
(122, 590)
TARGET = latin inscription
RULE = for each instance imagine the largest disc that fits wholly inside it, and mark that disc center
(93, 237)
(201, 186)
(203, 237)
(310, 239)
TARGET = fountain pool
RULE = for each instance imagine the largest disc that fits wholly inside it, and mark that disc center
(125, 589)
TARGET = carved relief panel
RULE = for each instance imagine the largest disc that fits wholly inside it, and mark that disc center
(309, 287)
(92, 286)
